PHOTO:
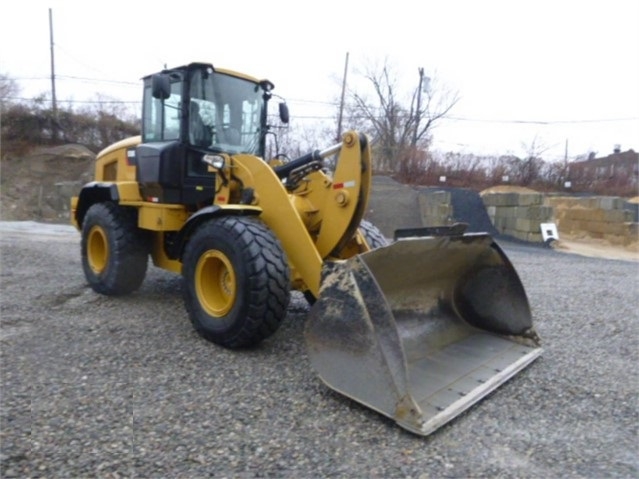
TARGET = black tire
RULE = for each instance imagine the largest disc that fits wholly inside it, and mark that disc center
(114, 250)
(373, 237)
(237, 281)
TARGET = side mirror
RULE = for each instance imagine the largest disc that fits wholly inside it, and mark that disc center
(160, 86)
(284, 112)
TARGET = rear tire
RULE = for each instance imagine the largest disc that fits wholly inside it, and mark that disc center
(114, 250)
(237, 281)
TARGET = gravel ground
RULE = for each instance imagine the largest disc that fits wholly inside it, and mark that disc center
(123, 387)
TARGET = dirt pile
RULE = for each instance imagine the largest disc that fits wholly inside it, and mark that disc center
(37, 185)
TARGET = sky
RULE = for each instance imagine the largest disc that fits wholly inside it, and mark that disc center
(559, 76)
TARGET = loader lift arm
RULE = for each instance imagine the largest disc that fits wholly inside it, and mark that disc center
(339, 201)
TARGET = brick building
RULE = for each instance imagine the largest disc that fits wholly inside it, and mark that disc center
(616, 173)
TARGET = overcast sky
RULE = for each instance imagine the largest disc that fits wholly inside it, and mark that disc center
(550, 72)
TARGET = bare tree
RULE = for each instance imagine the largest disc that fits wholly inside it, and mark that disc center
(9, 89)
(401, 127)
(530, 168)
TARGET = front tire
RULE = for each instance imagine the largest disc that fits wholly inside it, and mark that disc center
(372, 235)
(114, 250)
(237, 281)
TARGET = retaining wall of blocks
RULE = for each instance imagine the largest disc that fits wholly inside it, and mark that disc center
(519, 215)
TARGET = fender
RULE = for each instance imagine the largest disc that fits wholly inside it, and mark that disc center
(175, 249)
(100, 191)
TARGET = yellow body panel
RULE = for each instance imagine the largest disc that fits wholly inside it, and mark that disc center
(159, 217)
(112, 163)
(128, 191)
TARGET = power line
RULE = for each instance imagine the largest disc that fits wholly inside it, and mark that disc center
(97, 80)
(133, 102)
(84, 79)
(332, 117)
(541, 122)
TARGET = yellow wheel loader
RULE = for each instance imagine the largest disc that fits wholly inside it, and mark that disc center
(419, 329)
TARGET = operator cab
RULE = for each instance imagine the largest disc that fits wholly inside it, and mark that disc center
(193, 110)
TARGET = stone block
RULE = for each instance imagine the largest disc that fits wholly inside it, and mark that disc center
(610, 203)
(536, 212)
(528, 199)
(616, 216)
(500, 199)
(522, 224)
(534, 237)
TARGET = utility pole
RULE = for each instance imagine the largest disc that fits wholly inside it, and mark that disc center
(341, 104)
(54, 105)
(418, 113)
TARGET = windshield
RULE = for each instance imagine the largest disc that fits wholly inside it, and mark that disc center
(225, 112)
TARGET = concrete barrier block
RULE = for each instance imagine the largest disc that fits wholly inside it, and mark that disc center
(522, 224)
(572, 214)
(501, 199)
(511, 199)
(536, 212)
(561, 201)
(528, 199)
(510, 223)
(507, 211)
(599, 227)
(535, 237)
(610, 203)
(616, 216)
(617, 228)
(490, 199)
(567, 225)
(589, 214)
(518, 234)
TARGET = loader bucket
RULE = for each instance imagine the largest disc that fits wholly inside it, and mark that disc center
(422, 329)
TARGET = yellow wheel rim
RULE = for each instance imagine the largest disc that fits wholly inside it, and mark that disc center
(97, 249)
(215, 283)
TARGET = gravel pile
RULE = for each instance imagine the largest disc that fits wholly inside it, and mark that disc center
(123, 387)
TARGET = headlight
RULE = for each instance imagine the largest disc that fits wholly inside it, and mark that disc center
(216, 161)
